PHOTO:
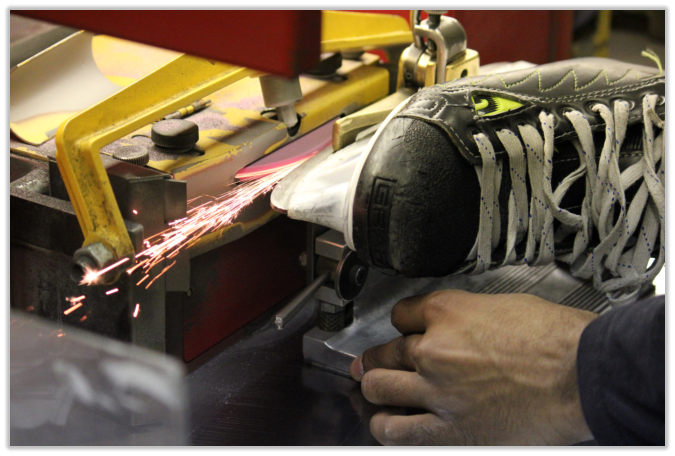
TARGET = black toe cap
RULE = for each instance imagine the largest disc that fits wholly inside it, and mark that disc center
(416, 210)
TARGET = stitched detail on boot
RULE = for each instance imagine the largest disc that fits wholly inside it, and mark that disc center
(441, 102)
(653, 81)
(437, 104)
(570, 72)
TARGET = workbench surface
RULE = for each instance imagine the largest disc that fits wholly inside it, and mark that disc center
(260, 391)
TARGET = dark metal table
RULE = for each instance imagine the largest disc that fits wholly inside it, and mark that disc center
(260, 391)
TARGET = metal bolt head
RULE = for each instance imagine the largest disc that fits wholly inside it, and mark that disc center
(94, 256)
(303, 259)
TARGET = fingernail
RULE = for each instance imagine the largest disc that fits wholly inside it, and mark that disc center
(356, 369)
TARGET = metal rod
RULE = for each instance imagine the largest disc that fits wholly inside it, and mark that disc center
(285, 314)
(441, 51)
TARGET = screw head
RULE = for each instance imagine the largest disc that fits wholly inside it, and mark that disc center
(303, 259)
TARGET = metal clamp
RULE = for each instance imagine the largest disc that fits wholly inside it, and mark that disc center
(438, 52)
(340, 278)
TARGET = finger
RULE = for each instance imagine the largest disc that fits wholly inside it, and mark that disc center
(391, 428)
(395, 354)
(364, 409)
(408, 317)
(416, 313)
(395, 388)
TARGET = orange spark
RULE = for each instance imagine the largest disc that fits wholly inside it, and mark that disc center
(90, 276)
(176, 221)
(158, 275)
(134, 211)
(114, 290)
(206, 218)
(72, 309)
(138, 307)
(73, 300)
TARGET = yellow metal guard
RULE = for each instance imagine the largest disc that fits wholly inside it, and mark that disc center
(79, 139)
(169, 88)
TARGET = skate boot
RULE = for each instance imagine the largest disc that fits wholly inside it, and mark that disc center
(562, 161)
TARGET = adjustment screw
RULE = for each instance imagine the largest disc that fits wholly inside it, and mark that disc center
(136, 155)
(176, 134)
(435, 17)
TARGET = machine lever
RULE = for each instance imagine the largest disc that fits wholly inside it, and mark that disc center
(290, 309)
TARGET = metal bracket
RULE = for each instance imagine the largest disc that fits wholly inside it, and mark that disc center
(79, 140)
(443, 57)
(345, 130)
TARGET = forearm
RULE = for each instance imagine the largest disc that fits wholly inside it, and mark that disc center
(621, 374)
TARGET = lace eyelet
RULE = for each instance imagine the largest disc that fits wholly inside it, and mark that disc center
(566, 110)
(592, 104)
(472, 131)
(630, 103)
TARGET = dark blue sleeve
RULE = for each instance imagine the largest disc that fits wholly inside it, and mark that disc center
(621, 374)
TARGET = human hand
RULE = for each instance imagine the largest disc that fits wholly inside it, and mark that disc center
(485, 369)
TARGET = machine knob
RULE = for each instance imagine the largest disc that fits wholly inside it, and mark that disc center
(435, 17)
(176, 134)
(136, 155)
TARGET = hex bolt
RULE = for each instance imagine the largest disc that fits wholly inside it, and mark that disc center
(94, 256)
(79, 267)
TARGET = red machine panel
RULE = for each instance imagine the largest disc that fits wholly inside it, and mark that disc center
(510, 35)
(234, 284)
(282, 42)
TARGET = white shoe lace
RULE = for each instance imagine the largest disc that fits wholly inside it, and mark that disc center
(620, 263)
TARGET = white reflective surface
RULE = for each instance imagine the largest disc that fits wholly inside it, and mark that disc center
(660, 283)
(72, 387)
